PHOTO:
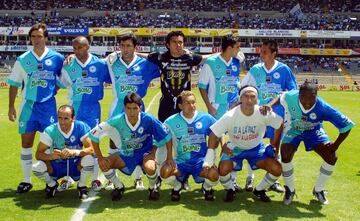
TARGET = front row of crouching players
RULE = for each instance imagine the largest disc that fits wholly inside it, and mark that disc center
(65, 150)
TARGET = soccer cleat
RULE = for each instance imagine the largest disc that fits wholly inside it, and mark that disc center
(276, 187)
(208, 194)
(24, 187)
(154, 194)
(261, 194)
(51, 191)
(175, 195)
(321, 196)
(237, 187)
(83, 192)
(109, 186)
(230, 195)
(65, 184)
(249, 186)
(139, 184)
(185, 185)
(117, 193)
(289, 196)
(96, 185)
(158, 182)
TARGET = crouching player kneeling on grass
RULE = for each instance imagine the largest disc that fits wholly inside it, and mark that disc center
(304, 114)
(133, 133)
(246, 127)
(189, 129)
(65, 150)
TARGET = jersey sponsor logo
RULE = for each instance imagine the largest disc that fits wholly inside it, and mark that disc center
(190, 130)
(227, 89)
(84, 74)
(198, 125)
(265, 96)
(83, 90)
(48, 62)
(92, 69)
(228, 72)
(38, 83)
(312, 116)
(268, 79)
(128, 88)
(191, 148)
(128, 72)
(175, 74)
(276, 75)
(40, 66)
(234, 68)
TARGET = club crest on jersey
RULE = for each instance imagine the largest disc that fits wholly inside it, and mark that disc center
(73, 70)
(136, 67)
(92, 69)
(72, 138)
(190, 130)
(312, 116)
(141, 130)
(268, 79)
(276, 75)
(48, 62)
(234, 68)
(84, 74)
(40, 66)
(198, 125)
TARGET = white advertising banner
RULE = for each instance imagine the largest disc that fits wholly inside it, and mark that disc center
(269, 33)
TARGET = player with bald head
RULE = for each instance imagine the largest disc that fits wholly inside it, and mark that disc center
(85, 76)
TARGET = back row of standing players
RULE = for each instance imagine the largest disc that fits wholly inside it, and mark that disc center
(40, 71)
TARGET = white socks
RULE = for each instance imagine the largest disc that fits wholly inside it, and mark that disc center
(288, 174)
(325, 173)
(26, 163)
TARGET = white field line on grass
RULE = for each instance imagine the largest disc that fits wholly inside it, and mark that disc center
(80, 212)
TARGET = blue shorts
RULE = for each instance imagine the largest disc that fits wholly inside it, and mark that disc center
(187, 169)
(260, 152)
(68, 167)
(117, 107)
(36, 116)
(132, 161)
(88, 112)
(311, 138)
(270, 132)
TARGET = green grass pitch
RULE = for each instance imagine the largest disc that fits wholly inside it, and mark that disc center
(343, 189)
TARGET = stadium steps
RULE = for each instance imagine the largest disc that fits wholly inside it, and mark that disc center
(346, 74)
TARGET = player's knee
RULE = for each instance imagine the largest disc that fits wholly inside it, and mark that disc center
(213, 175)
(276, 169)
(331, 159)
(87, 161)
(150, 167)
(39, 167)
(165, 171)
(224, 168)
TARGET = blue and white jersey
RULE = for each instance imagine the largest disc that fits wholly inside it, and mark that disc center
(55, 138)
(189, 135)
(299, 119)
(270, 83)
(85, 81)
(134, 77)
(221, 79)
(131, 140)
(37, 75)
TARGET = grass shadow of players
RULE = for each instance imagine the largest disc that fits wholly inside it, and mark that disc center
(36, 200)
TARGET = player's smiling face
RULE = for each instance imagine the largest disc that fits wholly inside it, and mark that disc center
(266, 55)
(176, 46)
(38, 40)
(80, 50)
(65, 119)
(127, 49)
(188, 106)
(307, 99)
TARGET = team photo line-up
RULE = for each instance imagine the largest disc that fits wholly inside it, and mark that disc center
(182, 141)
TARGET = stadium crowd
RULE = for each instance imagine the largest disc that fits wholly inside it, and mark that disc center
(174, 20)
(307, 6)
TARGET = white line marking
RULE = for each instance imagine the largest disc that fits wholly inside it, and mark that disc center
(85, 204)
